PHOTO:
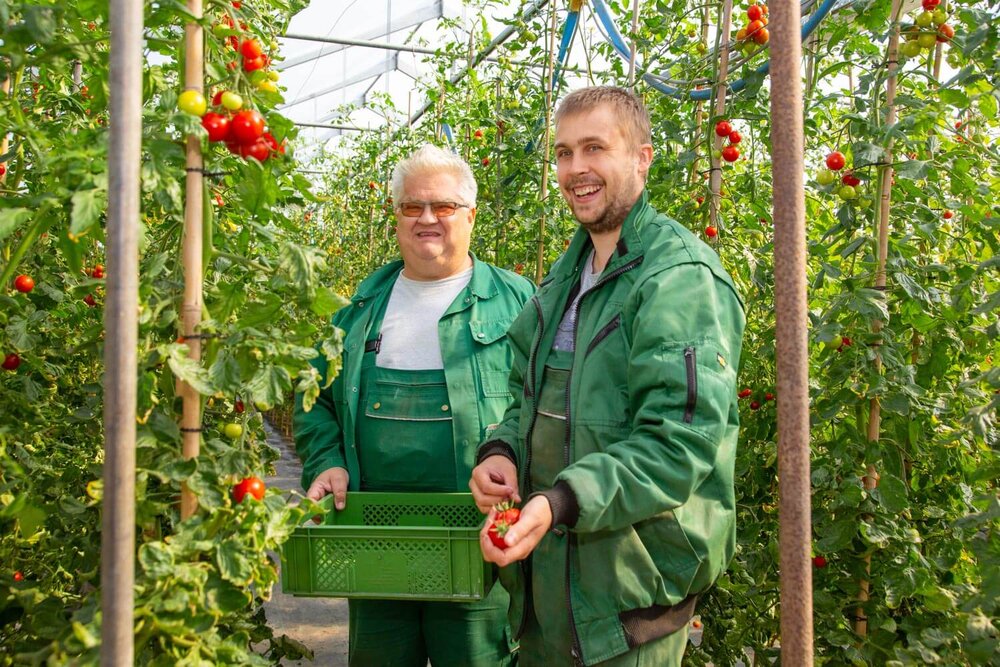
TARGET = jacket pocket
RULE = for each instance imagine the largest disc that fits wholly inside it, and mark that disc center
(604, 332)
(493, 355)
(691, 374)
(700, 386)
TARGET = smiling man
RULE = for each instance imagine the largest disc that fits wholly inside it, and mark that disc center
(424, 380)
(622, 433)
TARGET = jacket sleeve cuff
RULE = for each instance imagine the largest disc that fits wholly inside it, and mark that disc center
(564, 505)
(494, 447)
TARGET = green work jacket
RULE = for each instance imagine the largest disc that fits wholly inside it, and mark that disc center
(476, 359)
(653, 421)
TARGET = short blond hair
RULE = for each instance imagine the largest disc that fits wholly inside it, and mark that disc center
(431, 159)
(626, 105)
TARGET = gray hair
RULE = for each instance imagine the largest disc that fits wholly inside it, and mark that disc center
(429, 158)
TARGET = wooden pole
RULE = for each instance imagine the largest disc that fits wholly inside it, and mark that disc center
(795, 532)
(5, 139)
(885, 191)
(191, 417)
(544, 192)
(122, 332)
(715, 179)
(698, 111)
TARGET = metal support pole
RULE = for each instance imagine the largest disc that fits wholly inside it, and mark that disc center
(121, 324)
(795, 532)
(634, 45)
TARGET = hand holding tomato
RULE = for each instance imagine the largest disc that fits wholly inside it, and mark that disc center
(506, 516)
(520, 539)
(494, 481)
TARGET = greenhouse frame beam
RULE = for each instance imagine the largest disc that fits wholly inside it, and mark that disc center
(432, 11)
(371, 72)
(368, 44)
(333, 127)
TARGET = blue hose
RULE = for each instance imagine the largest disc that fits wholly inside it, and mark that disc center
(618, 43)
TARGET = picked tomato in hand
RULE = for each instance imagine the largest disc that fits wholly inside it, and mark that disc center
(507, 515)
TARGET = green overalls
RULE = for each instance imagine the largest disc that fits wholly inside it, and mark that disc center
(406, 443)
(547, 639)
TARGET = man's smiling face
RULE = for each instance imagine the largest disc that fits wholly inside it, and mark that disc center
(601, 169)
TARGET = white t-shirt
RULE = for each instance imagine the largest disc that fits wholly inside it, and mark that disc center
(410, 326)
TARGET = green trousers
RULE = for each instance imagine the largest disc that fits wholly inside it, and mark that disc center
(391, 633)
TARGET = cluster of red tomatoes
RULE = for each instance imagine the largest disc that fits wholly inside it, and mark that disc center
(930, 27)
(835, 162)
(754, 31)
(724, 129)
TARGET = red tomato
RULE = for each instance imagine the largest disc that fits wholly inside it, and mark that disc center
(253, 64)
(835, 161)
(945, 33)
(850, 179)
(734, 136)
(260, 150)
(11, 362)
(711, 232)
(754, 13)
(761, 37)
(97, 271)
(3, 170)
(250, 48)
(754, 405)
(89, 300)
(486, 162)
(24, 283)
(478, 134)
(246, 126)
(745, 393)
(730, 153)
(947, 215)
(238, 406)
(723, 128)
(18, 576)
(819, 562)
(252, 486)
(216, 125)
(768, 396)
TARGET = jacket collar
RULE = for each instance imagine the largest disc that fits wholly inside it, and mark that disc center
(482, 284)
(628, 248)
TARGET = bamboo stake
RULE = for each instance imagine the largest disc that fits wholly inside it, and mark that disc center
(544, 192)
(792, 368)
(121, 324)
(698, 112)
(715, 180)
(885, 183)
(632, 49)
(192, 252)
(498, 223)
(5, 139)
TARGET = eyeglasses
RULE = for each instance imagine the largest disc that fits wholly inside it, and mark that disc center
(440, 209)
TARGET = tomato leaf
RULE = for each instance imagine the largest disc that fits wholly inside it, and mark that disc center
(156, 559)
(269, 385)
(11, 219)
(188, 369)
(327, 302)
(88, 206)
(234, 566)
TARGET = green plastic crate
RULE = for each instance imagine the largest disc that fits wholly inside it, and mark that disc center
(391, 546)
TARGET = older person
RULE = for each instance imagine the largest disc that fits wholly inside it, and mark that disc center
(424, 381)
(622, 435)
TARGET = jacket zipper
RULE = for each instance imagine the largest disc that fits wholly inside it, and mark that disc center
(605, 331)
(575, 649)
(526, 481)
(692, 384)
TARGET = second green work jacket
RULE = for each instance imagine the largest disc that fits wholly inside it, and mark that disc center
(477, 361)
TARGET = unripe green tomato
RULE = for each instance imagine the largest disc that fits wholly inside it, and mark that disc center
(847, 192)
(192, 102)
(267, 86)
(825, 177)
(700, 48)
(910, 49)
(232, 101)
(925, 19)
(274, 45)
(220, 30)
(273, 75)
(927, 40)
(717, 154)
(233, 431)
(864, 202)
(940, 16)
(522, 89)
